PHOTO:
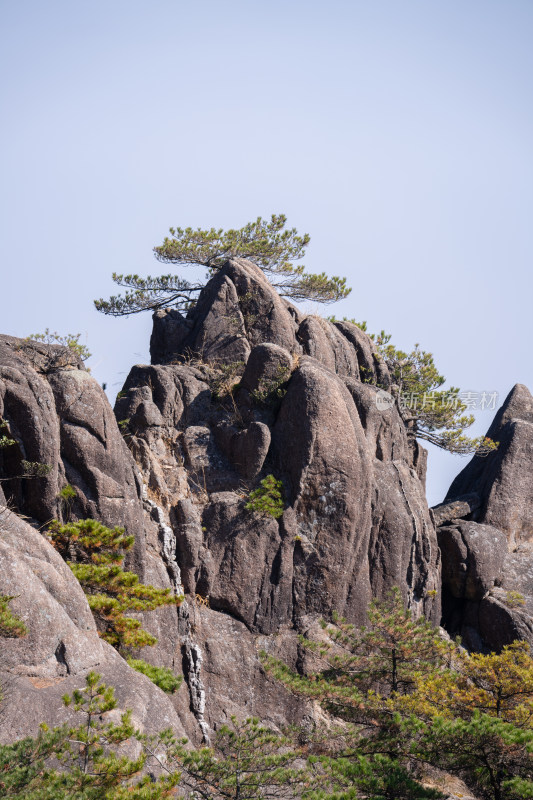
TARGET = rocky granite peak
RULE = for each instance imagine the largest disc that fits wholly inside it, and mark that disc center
(241, 388)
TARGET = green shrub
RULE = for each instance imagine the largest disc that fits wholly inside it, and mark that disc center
(269, 391)
(11, 627)
(161, 676)
(50, 351)
(67, 493)
(70, 340)
(267, 499)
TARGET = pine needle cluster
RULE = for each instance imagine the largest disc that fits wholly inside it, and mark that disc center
(266, 243)
(95, 555)
(85, 761)
(267, 500)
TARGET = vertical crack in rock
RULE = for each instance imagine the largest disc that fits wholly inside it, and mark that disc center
(192, 669)
(192, 652)
(167, 540)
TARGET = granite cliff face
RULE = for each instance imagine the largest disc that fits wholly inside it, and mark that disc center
(244, 387)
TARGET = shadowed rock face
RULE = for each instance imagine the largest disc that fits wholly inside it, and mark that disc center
(488, 560)
(245, 386)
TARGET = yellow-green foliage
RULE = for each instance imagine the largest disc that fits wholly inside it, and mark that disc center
(35, 469)
(514, 599)
(407, 695)
(67, 493)
(161, 676)
(10, 625)
(267, 499)
(70, 340)
(500, 685)
(95, 554)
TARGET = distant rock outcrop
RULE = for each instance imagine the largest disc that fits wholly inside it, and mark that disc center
(503, 481)
(488, 558)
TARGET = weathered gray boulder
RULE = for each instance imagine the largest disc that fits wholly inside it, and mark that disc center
(239, 309)
(372, 368)
(267, 316)
(60, 417)
(460, 508)
(27, 407)
(167, 420)
(356, 520)
(500, 621)
(169, 333)
(267, 368)
(236, 310)
(246, 448)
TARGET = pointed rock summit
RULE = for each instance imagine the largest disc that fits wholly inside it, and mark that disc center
(503, 480)
(488, 559)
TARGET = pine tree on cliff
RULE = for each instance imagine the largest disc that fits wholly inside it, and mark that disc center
(435, 415)
(266, 244)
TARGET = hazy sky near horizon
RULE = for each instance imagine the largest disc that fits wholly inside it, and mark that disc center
(398, 134)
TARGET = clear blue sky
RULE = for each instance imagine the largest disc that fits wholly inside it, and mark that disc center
(398, 134)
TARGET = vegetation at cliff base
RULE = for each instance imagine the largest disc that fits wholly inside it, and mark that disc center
(88, 761)
(410, 701)
(266, 243)
(406, 708)
(85, 761)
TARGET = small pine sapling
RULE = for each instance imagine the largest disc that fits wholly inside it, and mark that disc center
(267, 499)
